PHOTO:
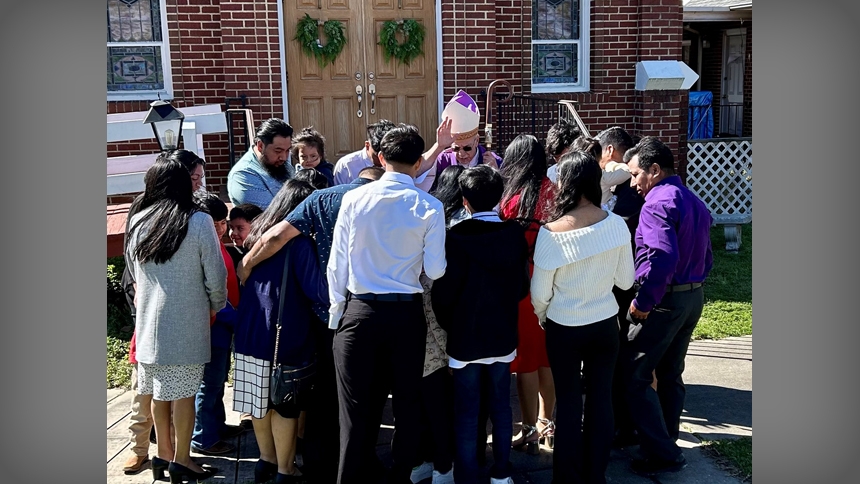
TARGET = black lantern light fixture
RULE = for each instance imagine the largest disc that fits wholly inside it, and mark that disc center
(166, 122)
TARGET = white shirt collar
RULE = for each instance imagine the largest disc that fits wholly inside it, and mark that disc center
(398, 177)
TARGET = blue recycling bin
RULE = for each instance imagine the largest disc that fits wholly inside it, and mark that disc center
(700, 121)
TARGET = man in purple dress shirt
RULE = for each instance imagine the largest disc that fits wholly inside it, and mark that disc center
(673, 258)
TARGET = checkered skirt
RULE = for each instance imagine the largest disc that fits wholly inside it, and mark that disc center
(251, 385)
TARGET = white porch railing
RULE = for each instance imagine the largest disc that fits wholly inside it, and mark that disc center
(719, 171)
(125, 173)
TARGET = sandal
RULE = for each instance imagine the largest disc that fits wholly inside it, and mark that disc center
(547, 434)
(528, 439)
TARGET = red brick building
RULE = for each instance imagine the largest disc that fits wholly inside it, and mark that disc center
(197, 52)
(205, 51)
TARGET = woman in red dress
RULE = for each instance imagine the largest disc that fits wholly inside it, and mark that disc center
(527, 197)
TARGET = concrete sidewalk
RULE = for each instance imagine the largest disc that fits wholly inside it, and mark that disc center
(718, 405)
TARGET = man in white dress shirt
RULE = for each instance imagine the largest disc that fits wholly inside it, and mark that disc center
(347, 167)
(387, 231)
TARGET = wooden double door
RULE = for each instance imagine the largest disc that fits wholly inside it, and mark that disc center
(327, 97)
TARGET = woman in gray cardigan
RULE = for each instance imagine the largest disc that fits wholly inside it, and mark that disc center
(181, 281)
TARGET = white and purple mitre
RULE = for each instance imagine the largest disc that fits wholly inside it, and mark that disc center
(464, 114)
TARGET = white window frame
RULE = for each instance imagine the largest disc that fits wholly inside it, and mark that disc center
(148, 95)
(583, 56)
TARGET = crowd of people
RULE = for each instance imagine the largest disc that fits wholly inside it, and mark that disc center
(427, 274)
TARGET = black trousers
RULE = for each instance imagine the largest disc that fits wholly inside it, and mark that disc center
(379, 345)
(321, 444)
(661, 346)
(623, 421)
(437, 419)
(581, 452)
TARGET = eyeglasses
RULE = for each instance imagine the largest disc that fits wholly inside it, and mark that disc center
(456, 149)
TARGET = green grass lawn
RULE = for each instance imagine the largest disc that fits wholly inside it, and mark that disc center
(728, 289)
(734, 454)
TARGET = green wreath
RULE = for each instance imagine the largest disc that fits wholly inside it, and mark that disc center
(412, 46)
(307, 33)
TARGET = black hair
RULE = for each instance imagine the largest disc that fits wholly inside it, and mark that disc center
(376, 131)
(578, 178)
(308, 137)
(312, 176)
(482, 187)
(371, 172)
(189, 159)
(246, 211)
(286, 200)
(524, 169)
(588, 145)
(560, 136)
(448, 190)
(402, 144)
(615, 137)
(270, 128)
(211, 204)
(167, 192)
(652, 151)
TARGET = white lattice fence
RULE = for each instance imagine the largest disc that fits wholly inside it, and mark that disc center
(719, 171)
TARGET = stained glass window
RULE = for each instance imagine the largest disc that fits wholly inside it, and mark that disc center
(136, 57)
(559, 45)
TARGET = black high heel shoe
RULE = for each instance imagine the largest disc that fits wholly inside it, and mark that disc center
(158, 468)
(264, 471)
(180, 473)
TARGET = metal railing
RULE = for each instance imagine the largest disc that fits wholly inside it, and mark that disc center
(728, 119)
(520, 115)
(245, 119)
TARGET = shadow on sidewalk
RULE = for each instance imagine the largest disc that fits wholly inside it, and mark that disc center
(714, 412)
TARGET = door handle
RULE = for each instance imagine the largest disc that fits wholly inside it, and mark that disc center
(358, 92)
(372, 90)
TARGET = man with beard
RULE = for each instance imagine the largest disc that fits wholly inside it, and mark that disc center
(262, 171)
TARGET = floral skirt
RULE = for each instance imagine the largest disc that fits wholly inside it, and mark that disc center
(169, 382)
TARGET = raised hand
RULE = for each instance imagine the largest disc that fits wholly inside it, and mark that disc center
(444, 138)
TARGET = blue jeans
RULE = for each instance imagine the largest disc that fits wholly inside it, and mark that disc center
(209, 403)
(496, 382)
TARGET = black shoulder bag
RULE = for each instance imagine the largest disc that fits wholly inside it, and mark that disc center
(289, 384)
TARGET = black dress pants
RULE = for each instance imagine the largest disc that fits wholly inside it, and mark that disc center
(437, 418)
(322, 431)
(581, 452)
(661, 347)
(623, 422)
(379, 345)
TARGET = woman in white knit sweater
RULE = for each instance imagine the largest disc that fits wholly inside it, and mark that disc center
(579, 256)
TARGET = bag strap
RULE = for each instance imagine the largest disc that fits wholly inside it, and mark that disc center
(281, 303)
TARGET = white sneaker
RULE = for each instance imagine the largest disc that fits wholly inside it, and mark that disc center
(447, 478)
(422, 472)
(506, 480)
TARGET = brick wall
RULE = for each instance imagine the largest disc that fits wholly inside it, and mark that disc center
(218, 49)
(226, 48)
(468, 46)
(497, 45)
